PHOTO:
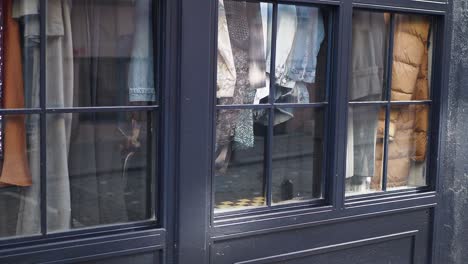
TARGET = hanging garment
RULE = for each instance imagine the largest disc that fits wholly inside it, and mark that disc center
(363, 125)
(301, 64)
(9, 201)
(302, 33)
(408, 142)
(226, 70)
(364, 122)
(244, 21)
(59, 75)
(103, 191)
(226, 84)
(92, 181)
(320, 87)
(245, 28)
(241, 71)
(286, 28)
(141, 79)
(257, 59)
(368, 56)
(15, 169)
(137, 147)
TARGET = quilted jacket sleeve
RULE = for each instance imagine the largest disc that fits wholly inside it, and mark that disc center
(410, 42)
(408, 124)
(421, 123)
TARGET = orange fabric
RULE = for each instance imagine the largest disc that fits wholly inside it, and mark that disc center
(15, 169)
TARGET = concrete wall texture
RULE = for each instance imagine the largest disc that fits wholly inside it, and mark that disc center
(452, 238)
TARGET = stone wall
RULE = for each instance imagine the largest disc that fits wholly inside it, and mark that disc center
(452, 240)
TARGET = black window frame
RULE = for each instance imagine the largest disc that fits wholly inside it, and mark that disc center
(434, 103)
(116, 239)
(337, 202)
(335, 142)
(388, 103)
(325, 104)
(195, 183)
(187, 34)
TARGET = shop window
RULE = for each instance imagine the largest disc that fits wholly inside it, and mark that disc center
(389, 102)
(271, 104)
(83, 150)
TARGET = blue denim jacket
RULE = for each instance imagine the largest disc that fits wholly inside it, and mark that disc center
(302, 60)
(140, 73)
(300, 33)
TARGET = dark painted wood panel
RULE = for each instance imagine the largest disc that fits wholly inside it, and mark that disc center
(80, 250)
(404, 236)
(398, 250)
(143, 258)
(395, 251)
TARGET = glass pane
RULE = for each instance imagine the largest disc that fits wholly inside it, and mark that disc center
(301, 54)
(369, 48)
(20, 185)
(407, 150)
(100, 168)
(411, 56)
(99, 53)
(366, 126)
(298, 156)
(244, 37)
(20, 56)
(239, 160)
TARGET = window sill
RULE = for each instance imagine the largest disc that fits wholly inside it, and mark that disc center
(390, 203)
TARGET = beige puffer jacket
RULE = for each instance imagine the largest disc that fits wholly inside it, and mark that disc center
(408, 124)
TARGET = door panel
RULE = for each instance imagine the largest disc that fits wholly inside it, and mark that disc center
(396, 238)
(143, 258)
(394, 251)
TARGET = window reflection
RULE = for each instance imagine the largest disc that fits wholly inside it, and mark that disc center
(108, 54)
(20, 176)
(239, 161)
(411, 56)
(258, 144)
(300, 35)
(244, 38)
(405, 131)
(366, 126)
(407, 151)
(109, 167)
(369, 48)
(100, 166)
(298, 157)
